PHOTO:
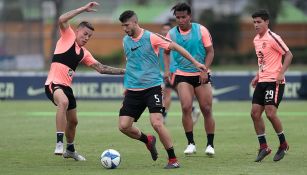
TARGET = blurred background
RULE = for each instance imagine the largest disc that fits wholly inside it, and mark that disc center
(28, 33)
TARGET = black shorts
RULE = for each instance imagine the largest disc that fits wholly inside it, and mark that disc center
(192, 80)
(135, 102)
(49, 90)
(268, 93)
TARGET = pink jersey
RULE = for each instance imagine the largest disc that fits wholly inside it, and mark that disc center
(269, 49)
(61, 71)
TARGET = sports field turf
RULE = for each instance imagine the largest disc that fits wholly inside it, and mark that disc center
(27, 136)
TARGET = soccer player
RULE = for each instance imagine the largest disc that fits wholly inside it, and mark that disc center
(189, 81)
(269, 83)
(169, 84)
(69, 52)
(143, 83)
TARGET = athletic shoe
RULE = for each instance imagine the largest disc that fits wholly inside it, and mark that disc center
(172, 164)
(263, 152)
(282, 150)
(151, 146)
(195, 115)
(190, 149)
(59, 148)
(210, 150)
(68, 154)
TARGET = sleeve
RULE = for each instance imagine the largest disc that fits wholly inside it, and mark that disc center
(206, 37)
(279, 45)
(159, 41)
(88, 59)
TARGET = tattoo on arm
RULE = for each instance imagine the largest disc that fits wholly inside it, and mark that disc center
(104, 69)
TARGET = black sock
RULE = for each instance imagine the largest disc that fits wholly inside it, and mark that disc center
(143, 138)
(281, 137)
(59, 137)
(262, 140)
(171, 153)
(210, 138)
(70, 147)
(190, 137)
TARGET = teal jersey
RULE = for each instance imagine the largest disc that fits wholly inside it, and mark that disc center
(193, 43)
(173, 64)
(142, 67)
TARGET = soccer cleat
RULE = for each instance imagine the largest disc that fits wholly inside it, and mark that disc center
(190, 149)
(172, 164)
(151, 146)
(282, 150)
(209, 150)
(68, 154)
(59, 148)
(195, 115)
(263, 152)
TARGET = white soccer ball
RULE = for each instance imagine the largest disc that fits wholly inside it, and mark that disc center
(110, 159)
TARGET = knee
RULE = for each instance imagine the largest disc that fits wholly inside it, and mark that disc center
(186, 108)
(207, 111)
(73, 122)
(63, 103)
(255, 114)
(157, 124)
(270, 115)
(123, 128)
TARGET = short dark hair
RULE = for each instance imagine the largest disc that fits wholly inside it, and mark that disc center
(126, 15)
(86, 24)
(181, 6)
(262, 13)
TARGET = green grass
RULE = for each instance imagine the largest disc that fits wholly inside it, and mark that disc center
(27, 140)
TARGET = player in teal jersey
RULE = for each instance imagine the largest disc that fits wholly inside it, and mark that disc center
(143, 83)
(189, 81)
(169, 87)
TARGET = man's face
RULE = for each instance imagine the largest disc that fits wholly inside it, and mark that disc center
(183, 19)
(260, 25)
(83, 34)
(129, 27)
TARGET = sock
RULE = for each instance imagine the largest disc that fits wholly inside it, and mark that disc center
(262, 141)
(70, 147)
(59, 137)
(171, 153)
(190, 137)
(143, 138)
(281, 137)
(210, 138)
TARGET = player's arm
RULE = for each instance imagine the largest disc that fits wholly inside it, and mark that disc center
(187, 55)
(255, 80)
(166, 60)
(287, 61)
(64, 18)
(209, 57)
(104, 69)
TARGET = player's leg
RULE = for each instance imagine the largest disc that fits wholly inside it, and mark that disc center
(186, 94)
(167, 99)
(165, 138)
(61, 100)
(272, 99)
(132, 109)
(204, 97)
(256, 112)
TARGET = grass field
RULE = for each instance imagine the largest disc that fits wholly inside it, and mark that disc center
(27, 140)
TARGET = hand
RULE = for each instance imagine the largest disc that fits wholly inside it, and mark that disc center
(203, 77)
(254, 82)
(280, 78)
(201, 67)
(90, 7)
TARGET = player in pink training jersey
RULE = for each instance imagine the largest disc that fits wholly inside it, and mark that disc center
(269, 83)
(69, 52)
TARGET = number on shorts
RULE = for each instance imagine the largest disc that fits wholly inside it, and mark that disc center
(157, 98)
(269, 94)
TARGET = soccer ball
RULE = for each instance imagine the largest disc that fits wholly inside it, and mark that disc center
(110, 159)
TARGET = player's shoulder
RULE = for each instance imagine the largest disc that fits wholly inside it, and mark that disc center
(273, 36)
